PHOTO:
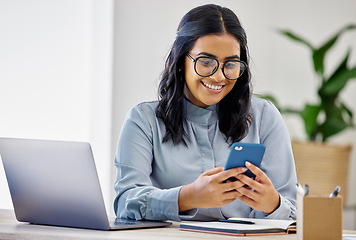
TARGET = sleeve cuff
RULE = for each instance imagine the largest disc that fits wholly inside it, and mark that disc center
(188, 215)
(164, 205)
(286, 210)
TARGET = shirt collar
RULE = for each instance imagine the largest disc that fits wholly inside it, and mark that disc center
(201, 116)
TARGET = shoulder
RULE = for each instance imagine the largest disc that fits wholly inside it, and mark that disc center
(265, 114)
(267, 119)
(261, 108)
(143, 113)
(142, 116)
(144, 108)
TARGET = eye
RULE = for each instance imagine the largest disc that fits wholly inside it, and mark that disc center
(206, 62)
(231, 64)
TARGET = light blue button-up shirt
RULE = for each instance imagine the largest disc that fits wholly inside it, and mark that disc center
(150, 173)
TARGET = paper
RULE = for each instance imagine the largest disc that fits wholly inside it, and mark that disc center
(260, 226)
(348, 236)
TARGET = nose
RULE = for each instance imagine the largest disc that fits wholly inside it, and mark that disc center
(218, 76)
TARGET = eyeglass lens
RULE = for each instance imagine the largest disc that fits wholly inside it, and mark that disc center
(232, 69)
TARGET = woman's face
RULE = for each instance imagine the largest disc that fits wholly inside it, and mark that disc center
(206, 91)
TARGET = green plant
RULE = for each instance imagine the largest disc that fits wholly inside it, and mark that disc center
(329, 115)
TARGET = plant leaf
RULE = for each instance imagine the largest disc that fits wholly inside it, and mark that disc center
(342, 66)
(334, 123)
(332, 127)
(296, 38)
(310, 114)
(348, 114)
(272, 99)
(338, 118)
(338, 82)
(319, 54)
(348, 27)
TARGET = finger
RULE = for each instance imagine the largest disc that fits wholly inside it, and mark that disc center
(250, 202)
(231, 173)
(232, 195)
(249, 193)
(257, 180)
(213, 171)
(248, 181)
(260, 175)
(233, 185)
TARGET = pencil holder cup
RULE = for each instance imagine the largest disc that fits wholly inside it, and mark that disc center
(319, 217)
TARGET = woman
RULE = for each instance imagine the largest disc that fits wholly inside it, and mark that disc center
(171, 152)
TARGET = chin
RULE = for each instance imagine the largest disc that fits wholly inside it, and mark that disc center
(209, 103)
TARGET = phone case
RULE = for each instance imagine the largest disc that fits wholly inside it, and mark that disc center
(242, 152)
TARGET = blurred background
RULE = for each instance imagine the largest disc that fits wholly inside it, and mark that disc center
(68, 68)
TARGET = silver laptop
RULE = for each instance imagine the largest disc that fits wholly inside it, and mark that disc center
(56, 183)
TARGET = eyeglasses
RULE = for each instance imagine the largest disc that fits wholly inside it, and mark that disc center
(207, 66)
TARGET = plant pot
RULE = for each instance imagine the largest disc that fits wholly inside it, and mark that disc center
(322, 166)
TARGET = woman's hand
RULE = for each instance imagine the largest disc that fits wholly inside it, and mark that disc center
(210, 190)
(260, 193)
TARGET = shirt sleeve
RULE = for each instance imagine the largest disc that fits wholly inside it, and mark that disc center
(136, 195)
(278, 163)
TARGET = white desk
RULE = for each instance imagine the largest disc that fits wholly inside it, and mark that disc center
(11, 229)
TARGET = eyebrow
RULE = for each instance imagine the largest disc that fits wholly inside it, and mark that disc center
(211, 55)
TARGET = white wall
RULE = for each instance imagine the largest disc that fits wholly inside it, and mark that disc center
(145, 30)
(56, 76)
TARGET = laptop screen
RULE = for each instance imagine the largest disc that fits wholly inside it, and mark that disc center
(53, 183)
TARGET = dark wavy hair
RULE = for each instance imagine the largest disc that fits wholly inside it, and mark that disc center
(234, 109)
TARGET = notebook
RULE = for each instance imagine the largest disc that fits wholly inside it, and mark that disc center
(232, 227)
(56, 183)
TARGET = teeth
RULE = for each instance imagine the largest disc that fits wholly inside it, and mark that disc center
(212, 86)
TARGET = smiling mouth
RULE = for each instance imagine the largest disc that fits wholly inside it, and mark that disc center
(213, 87)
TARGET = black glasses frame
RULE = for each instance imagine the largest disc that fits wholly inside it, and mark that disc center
(217, 66)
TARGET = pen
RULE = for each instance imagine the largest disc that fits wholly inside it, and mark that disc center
(306, 189)
(300, 189)
(236, 221)
(335, 192)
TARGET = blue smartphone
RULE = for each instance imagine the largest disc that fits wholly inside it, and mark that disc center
(242, 152)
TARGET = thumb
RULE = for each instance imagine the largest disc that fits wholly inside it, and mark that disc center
(213, 171)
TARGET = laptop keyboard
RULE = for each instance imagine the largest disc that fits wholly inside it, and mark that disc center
(124, 222)
(119, 222)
